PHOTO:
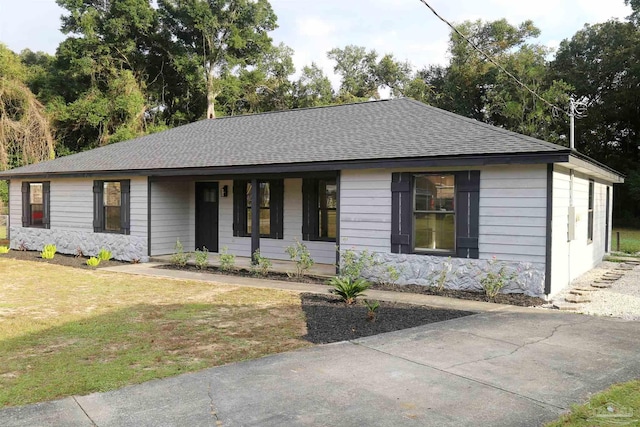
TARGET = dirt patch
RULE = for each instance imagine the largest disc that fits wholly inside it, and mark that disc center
(59, 259)
(331, 320)
(243, 272)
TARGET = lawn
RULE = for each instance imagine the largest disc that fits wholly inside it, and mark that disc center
(66, 331)
(3, 232)
(618, 405)
(629, 240)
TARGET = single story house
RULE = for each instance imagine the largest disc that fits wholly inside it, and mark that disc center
(425, 190)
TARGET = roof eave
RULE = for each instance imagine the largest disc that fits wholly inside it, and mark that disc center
(558, 156)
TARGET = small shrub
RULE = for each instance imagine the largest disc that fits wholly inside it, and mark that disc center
(353, 263)
(79, 253)
(440, 278)
(180, 257)
(202, 258)
(93, 262)
(4, 249)
(227, 260)
(48, 252)
(347, 288)
(135, 261)
(299, 254)
(22, 247)
(372, 308)
(104, 255)
(261, 265)
(392, 275)
(494, 281)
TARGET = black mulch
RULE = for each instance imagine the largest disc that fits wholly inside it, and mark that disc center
(59, 259)
(331, 320)
(243, 272)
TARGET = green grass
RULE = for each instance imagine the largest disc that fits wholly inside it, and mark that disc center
(3, 232)
(67, 331)
(622, 401)
(629, 240)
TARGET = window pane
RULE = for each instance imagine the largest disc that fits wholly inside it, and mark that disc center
(249, 220)
(112, 195)
(35, 194)
(36, 214)
(249, 186)
(265, 195)
(434, 193)
(265, 221)
(112, 218)
(434, 231)
(328, 216)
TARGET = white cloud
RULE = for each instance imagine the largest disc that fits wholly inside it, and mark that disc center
(314, 27)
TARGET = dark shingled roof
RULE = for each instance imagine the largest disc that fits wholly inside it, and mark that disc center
(392, 129)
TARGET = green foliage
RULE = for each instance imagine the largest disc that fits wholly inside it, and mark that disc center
(201, 258)
(4, 249)
(261, 265)
(392, 275)
(180, 258)
(48, 252)
(104, 255)
(372, 309)
(353, 263)
(226, 260)
(347, 288)
(444, 275)
(299, 254)
(495, 280)
(629, 240)
(4, 197)
(93, 262)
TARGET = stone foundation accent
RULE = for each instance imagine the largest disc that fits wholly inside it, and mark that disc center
(122, 247)
(461, 273)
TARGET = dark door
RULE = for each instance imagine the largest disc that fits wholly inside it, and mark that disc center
(207, 216)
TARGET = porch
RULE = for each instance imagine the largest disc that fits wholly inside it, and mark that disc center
(278, 266)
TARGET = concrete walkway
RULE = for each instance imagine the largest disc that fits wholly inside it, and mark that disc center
(506, 366)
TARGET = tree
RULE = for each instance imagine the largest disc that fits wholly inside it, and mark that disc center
(602, 63)
(312, 89)
(221, 34)
(25, 132)
(357, 67)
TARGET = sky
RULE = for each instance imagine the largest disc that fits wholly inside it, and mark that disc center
(405, 28)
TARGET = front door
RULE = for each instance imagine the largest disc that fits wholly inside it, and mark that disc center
(207, 216)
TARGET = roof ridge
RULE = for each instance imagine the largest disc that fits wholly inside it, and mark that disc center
(491, 127)
(293, 110)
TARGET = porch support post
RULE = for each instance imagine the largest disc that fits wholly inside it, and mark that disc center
(255, 218)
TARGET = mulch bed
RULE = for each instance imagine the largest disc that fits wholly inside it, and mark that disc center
(59, 259)
(331, 320)
(521, 300)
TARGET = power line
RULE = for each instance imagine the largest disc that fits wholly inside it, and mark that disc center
(554, 108)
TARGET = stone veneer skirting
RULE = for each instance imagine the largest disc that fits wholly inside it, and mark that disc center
(122, 247)
(461, 273)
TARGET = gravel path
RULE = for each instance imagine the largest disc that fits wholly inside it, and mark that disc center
(621, 300)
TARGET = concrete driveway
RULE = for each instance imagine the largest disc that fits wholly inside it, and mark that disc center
(513, 367)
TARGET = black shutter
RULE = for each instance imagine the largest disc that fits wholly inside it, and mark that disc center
(277, 208)
(25, 205)
(98, 206)
(239, 208)
(125, 206)
(309, 208)
(46, 210)
(401, 212)
(467, 213)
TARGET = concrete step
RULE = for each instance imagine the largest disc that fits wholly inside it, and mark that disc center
(582, 291)
(586, 288)
(577, 299)
(600, 284)
(565, 306)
